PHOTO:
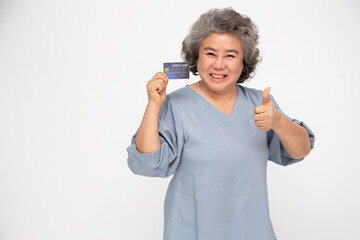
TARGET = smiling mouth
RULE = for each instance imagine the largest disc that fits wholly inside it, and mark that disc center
(218, 76)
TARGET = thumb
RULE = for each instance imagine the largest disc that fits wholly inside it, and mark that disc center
(265, 95)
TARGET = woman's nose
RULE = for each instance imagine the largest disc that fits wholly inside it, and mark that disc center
(218, 63)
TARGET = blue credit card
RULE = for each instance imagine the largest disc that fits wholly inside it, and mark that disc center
(177, 70)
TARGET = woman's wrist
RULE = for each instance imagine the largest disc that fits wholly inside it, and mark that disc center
(154, 104)
(279, 122)
(153, 107)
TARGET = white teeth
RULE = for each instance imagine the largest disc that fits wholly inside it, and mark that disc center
(218, 76)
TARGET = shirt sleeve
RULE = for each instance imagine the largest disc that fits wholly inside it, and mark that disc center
(277, 152)
(165, 160)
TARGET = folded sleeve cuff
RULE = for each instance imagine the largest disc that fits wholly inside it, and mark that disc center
(143, 163)
(282, 157)
(147, 157)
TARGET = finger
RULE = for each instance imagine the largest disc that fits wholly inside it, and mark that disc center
(262, 125)
(158, 78)
(259, 116)
(160, 75)
(265, 95)
(161, 87)
(260, 109)
(261, 122)
(263, 128)
(157, 86)
(164, 77)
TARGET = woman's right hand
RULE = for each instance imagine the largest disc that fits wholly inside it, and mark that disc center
(156, 88)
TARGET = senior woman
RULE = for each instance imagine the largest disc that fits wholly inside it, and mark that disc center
(216, 136)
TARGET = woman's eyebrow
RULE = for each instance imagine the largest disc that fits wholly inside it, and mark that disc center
(232, 51)
(227, 51)
(209, 49)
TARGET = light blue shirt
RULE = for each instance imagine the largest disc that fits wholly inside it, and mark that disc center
(218, 190)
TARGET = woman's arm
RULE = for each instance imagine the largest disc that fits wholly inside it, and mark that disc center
(293, 137)
(147, 139)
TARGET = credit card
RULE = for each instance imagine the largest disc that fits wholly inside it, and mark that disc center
(177, 70)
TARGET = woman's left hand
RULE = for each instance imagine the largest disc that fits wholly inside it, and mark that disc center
(266, 116)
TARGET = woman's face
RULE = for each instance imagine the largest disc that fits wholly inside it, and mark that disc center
(220, 62)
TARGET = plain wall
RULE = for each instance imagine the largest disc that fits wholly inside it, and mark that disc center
(73, 91)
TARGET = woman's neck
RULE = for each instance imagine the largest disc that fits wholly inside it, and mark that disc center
(224, 96)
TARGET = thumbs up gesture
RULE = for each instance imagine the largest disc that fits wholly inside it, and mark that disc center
(266, 116)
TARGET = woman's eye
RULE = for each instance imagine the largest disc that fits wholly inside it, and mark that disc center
(210, 54)
(230, 56)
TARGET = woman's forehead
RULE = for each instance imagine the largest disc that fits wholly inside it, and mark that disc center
(221, 42)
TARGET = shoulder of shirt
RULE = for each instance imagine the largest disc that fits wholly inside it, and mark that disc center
(251, 94)
(177, 99)
(249, 90)
(180, 95)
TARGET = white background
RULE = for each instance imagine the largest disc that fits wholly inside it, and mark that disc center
(72, 93)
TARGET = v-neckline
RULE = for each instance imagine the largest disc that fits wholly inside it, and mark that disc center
(215, 108)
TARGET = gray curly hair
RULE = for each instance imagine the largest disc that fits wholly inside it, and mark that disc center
(224, 20)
